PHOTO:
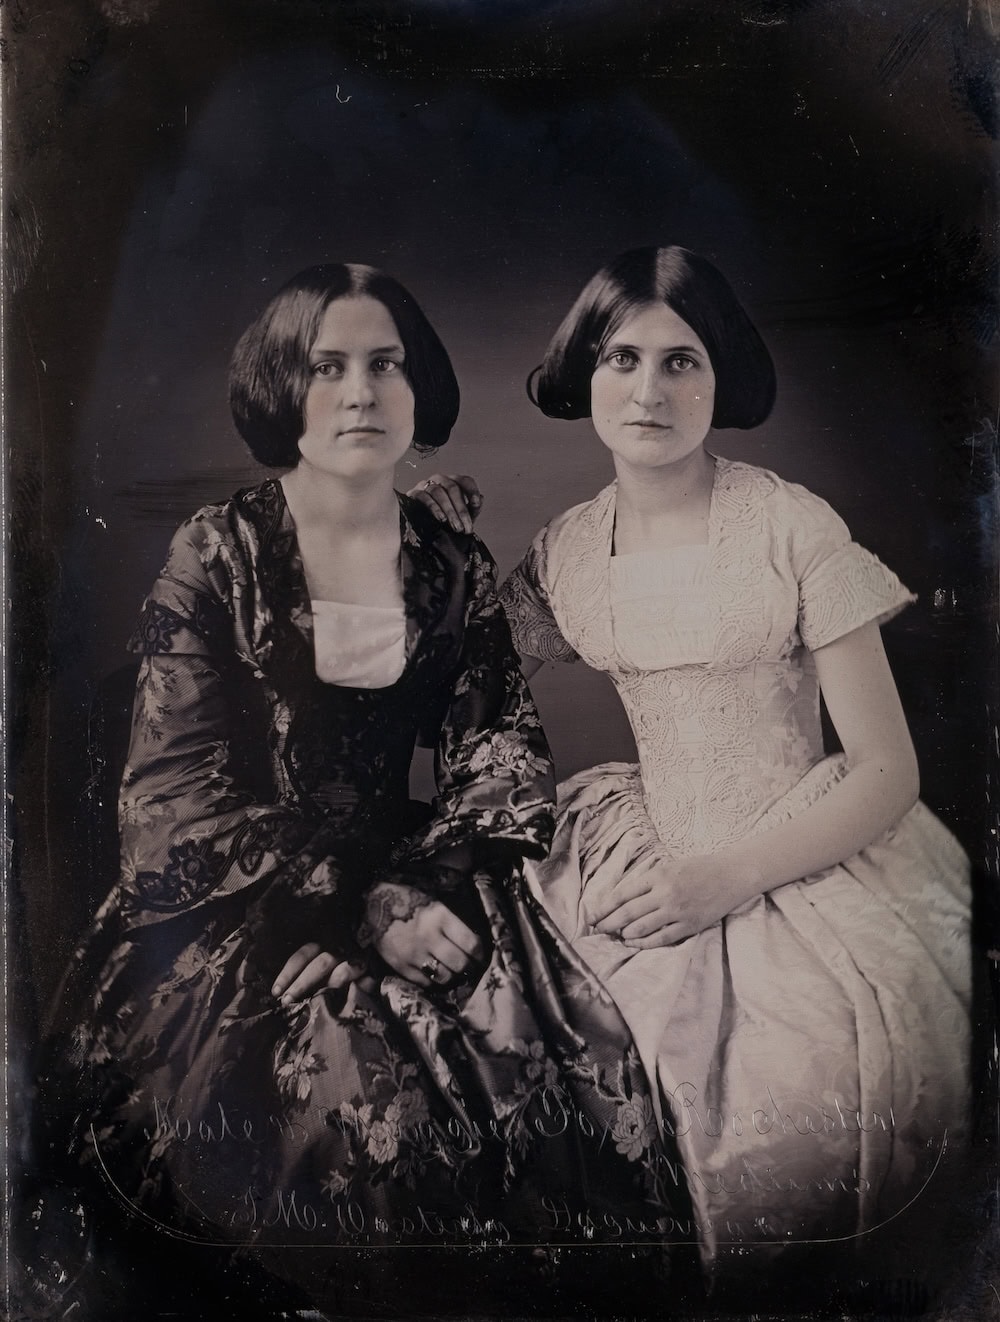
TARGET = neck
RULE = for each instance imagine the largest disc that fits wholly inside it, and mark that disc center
(361, 505)
(650, 493)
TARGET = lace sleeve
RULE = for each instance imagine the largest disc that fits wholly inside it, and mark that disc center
(525, 600)
(841, 585)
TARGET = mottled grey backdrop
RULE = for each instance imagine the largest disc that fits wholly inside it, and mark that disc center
(170, 165)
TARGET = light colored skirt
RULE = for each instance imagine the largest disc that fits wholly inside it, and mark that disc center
(811, 1051)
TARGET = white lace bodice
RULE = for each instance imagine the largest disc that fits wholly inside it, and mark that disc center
(709, 647)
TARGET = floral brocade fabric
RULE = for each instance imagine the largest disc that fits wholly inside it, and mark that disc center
(258, 808)
(810, 1052)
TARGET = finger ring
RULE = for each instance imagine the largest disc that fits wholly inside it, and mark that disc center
(431, 967)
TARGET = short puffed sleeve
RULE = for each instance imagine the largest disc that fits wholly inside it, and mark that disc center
(525, 600)
(841, 585)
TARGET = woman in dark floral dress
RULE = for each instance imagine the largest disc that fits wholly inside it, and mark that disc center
(314, 1013)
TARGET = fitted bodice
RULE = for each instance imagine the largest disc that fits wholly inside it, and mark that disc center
(245, 764)
(717, 743)
(710, 647)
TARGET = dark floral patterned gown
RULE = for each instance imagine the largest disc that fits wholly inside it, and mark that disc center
(258, 808)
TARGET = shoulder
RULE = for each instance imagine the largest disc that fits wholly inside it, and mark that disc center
(422, 529)
(788, 506)
(579, 521)
(465, 553)
(582, 515)
(226, 531)
(259, 506)
(564, 537)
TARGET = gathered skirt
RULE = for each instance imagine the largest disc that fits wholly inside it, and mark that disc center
(511, 1110)
(809, 1054)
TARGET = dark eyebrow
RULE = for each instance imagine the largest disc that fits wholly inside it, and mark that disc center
(319, 352)
(617, 345)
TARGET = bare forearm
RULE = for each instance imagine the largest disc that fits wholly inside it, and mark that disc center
(870, 799)
(661, 902)
(671, 900)
(881, 785)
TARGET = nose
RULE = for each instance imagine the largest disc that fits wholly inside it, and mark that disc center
(647, 385)
(359, 392)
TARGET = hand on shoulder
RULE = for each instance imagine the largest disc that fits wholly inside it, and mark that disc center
(453, 499)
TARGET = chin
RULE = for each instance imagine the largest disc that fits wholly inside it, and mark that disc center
(652, 454)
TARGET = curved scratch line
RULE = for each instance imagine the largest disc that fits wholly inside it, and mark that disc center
(859, 1234)
(621, 1243)
(139, 1211)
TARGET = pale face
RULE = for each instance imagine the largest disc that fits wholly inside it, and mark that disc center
(652, 394)
(359, 405)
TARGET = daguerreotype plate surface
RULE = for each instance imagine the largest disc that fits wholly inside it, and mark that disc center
(168, 163)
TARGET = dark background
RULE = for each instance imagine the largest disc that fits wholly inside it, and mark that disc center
(168, 165)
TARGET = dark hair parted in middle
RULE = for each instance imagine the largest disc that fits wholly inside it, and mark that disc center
(269, 375)
(700, 295)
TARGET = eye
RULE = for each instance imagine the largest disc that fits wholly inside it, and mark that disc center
(622, 359)
(386, 366)
(680, 362)
(325, 369)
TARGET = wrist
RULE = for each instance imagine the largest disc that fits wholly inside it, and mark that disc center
(389, 902)
(734, 874)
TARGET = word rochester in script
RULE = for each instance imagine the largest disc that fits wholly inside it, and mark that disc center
(688, 1114)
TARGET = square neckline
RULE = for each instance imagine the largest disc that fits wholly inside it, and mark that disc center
(361, 639)
(667, 551)
(304, 622)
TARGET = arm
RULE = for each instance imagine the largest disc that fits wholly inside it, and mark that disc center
(493, 767)
(494, 804)
(190, 835)
(457, 501)
(494, 801)
(193, 830)
(413, 933)
(525, 598)
(670, 901)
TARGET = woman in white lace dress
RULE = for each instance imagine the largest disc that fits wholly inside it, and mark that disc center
(785, 931)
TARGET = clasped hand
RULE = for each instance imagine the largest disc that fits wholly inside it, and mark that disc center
(414, 934)
(659, 902)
